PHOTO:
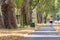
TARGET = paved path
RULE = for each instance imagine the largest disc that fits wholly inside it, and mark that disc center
(44, 33)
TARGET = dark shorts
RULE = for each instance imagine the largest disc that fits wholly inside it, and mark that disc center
(51, 21)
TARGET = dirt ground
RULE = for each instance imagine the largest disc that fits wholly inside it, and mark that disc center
(11, 38)
(57, 27)
(17, 34)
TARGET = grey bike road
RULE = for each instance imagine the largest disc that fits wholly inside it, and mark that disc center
(46, 32)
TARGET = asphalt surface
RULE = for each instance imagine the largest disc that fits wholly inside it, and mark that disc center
(46, 32)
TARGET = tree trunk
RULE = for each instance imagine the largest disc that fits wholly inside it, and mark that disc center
(45, 18)
(39, 14)
(24, 12)
(39, 18)
(30, 4)
(1, 22)
(9, 17)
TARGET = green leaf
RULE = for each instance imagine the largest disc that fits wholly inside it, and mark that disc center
(18, 3)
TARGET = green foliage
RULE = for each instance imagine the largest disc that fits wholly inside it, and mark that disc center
(34, 3)
(18, 3)
(22, 25)
(58, 4)
(46, 6)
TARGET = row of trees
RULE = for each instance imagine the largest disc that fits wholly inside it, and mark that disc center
(24, 9)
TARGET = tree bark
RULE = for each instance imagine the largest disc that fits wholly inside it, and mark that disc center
(8, 13)
(30, 4)
(39, 18)
(39, 14)
(24, 12)
(45, 18)
(1, 22)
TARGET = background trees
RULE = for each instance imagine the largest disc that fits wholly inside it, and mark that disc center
(23, 12)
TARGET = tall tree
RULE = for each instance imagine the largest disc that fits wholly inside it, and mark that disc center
(1, 19)
(39, 14)
(24, 12)
(32, 5)
(40, 11)
(7, 8)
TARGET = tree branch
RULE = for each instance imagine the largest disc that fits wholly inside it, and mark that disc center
(35, 5)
